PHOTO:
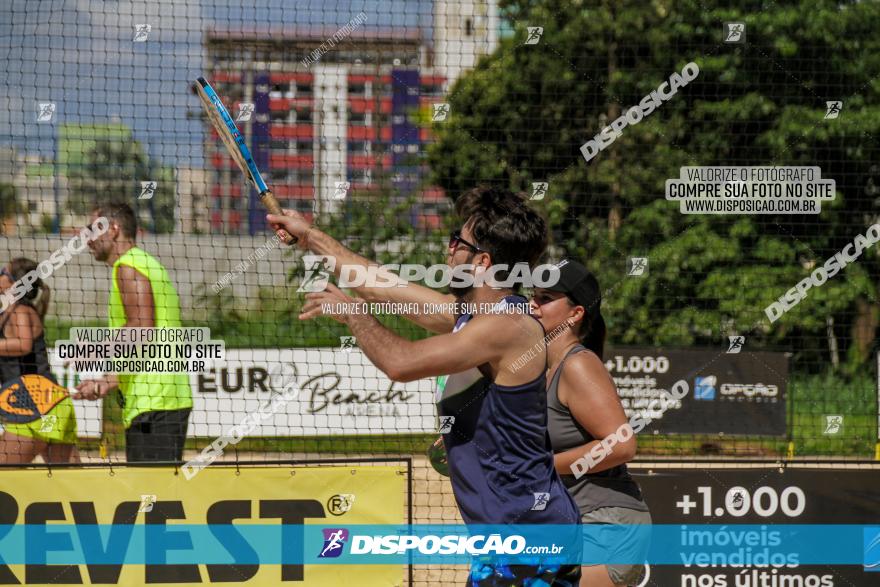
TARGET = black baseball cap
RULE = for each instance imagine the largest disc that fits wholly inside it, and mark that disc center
(579, 284)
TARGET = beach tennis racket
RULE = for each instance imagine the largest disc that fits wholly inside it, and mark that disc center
(28, 398)
(238, 150)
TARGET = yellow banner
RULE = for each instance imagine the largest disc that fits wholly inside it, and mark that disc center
(255, 495)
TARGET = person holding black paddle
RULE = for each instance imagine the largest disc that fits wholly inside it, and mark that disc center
(36, 414)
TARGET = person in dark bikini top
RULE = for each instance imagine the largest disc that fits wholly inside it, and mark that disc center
(23, 352)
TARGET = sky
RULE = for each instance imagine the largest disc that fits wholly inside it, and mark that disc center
(80, 54)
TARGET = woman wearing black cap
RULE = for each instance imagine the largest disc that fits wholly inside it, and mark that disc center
(584, 409)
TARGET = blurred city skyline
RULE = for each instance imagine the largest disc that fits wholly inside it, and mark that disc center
(80, 55)
(129, 65)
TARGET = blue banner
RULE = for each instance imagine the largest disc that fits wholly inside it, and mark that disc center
(260, 148)
(405, 139)
(774, 546)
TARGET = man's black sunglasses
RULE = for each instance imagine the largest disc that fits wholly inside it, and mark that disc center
(455, 239)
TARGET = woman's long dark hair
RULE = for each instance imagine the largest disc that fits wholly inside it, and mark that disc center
(592, 332)
(592, 329)
(38, 297)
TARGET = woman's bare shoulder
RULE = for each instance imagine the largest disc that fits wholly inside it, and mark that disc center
(584, 372)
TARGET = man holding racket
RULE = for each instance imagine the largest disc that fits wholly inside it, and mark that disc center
(500, 460)
(155, 406)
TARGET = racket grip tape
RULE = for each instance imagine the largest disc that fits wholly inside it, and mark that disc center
(271, 203)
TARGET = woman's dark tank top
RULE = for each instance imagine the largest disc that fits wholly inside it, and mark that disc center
(609, 488)
(35, 362)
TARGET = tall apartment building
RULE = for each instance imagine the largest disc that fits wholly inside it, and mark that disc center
(352, 120)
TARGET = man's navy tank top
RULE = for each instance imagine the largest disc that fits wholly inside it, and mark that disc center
(499, 453)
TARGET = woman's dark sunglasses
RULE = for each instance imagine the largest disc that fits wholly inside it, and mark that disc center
(455, 239)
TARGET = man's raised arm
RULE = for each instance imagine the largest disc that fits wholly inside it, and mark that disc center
(320, 243)
(404, 360)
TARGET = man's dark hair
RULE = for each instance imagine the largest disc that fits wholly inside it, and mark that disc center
(121, 214)
(504, 225)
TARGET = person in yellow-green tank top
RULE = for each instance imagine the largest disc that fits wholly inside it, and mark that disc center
(155, 406)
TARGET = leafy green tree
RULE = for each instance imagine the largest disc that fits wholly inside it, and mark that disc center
(522, 114)
(114, 170)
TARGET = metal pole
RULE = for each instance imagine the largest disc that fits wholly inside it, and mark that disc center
(56, 223)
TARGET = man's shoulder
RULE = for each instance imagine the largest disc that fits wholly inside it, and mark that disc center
(134, 254)
(140, 260)
(513, 330)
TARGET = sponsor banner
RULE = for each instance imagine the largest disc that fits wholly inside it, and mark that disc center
(728, 392)
(774, 499)
(148, 515)
(341, 392)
